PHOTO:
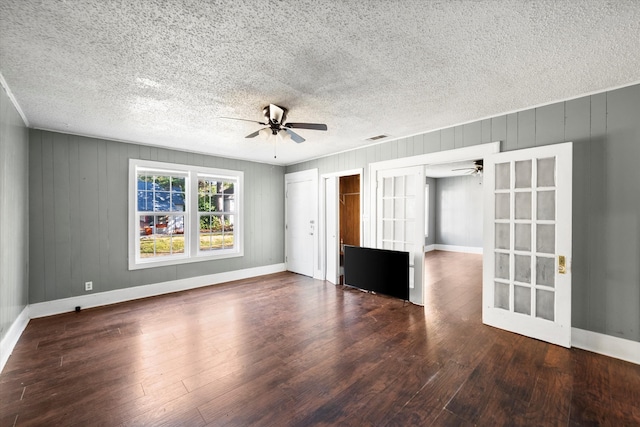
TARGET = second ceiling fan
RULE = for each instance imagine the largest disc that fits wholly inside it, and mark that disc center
(276, 124)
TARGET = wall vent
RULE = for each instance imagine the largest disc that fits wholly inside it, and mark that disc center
(377, 137)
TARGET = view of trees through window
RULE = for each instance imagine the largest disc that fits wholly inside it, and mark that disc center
(161, 208)
(216, 205)
(183, 213)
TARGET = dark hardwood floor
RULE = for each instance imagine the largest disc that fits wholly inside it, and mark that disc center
(286, 350)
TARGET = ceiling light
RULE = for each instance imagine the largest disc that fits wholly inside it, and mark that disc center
(265, 133)
(286, 136)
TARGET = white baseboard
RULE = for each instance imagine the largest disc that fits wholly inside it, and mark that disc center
(607, 345)
(430, 248)
(13, 335)
(453, 248)
(66, 305)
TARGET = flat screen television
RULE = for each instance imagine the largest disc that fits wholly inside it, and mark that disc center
(379, 270)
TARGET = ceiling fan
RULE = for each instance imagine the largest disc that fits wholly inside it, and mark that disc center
(275, 121)
(475, 170)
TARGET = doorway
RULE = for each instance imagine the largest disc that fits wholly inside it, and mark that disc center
(341, 220)
(349, 214)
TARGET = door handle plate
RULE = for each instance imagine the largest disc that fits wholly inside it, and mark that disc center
(562, 264)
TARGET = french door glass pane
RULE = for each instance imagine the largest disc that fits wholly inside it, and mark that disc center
(503, 236)
(547, 172)
(545, 271)
(503, 201)
(522, 299)
(545, 304)
(546, 238)
(503, 176)
(523, 237)
(502, 266)
(387, 187)
(546, 209)
(523, 205)
(523, 174)
(501, 295)
(522, 268)
(399, 186)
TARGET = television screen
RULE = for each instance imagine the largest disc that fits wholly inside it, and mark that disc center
(379, 270)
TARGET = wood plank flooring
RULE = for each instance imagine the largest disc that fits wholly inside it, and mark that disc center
(287, 350)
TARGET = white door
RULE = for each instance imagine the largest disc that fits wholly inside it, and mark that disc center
(332, 217)
(527, 252)
(301, 199)
(400, 219)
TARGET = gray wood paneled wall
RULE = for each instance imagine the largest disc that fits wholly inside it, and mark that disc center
(78, 195)
(459, 211)
(14, 212)
(605, 129)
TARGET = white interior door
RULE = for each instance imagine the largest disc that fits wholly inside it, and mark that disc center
(527, 252)
(301, 200)
(400, 219)
(332, 230)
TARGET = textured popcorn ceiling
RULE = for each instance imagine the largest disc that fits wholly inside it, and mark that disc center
(162, 72)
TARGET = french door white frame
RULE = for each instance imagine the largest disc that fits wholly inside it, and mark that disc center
(325, 252)
(460, 154)
(557, 330)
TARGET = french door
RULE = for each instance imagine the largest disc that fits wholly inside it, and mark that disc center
(400, 219)
(527, 252)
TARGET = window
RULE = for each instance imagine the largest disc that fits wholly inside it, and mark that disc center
(181, 214)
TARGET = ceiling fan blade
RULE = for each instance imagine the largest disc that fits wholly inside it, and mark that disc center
(297, 138)
(464, 169)
(312, 126)
(243, 120)
(253, 134)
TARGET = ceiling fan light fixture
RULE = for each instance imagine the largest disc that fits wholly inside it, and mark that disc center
(286, 136)
(265, 133)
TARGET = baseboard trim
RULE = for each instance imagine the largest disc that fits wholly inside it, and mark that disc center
(13, 335)
(606, 345)
(430, 248)
(453, 248)
(50, 308)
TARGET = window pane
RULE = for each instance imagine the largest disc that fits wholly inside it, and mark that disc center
(523, 237)
(523, 205)
(501, 295)
(546, 205)
(545, 271)
(546, 238)
(503, 176)
(229, 203)
(502, 266)
(161, 235)
(547, 172)
(502, 205)
(545, 304)
(522, 299)
(162, 201)
(502, 236)
(523, 268)
(523, 174)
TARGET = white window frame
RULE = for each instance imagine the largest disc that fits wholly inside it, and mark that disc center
(191, 221)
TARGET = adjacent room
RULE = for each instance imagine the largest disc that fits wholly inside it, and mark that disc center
(183, 185)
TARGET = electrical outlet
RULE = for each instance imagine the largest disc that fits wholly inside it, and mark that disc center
(88, 286)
